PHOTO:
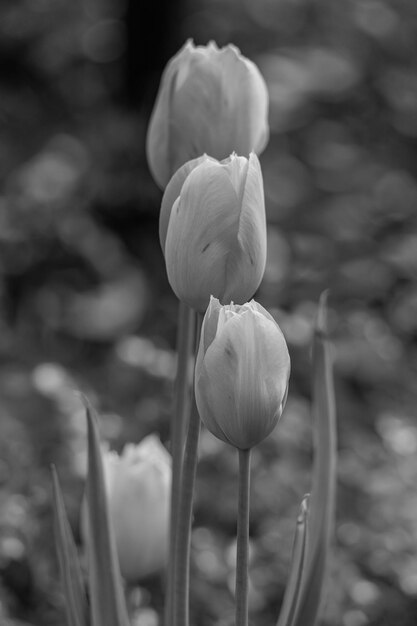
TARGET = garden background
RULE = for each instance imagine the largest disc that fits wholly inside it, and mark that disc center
(85, 303)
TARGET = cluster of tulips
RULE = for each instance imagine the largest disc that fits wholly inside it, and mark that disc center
(208, 125)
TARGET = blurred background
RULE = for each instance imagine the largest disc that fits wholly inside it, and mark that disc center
(85, 304)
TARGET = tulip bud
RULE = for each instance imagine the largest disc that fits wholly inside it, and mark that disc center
(241, 374)
(210, 100)
(138, 484)
(216, 231)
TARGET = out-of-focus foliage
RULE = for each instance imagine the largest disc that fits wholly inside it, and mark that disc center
(85, 304)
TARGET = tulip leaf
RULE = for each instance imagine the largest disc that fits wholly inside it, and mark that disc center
(70, 570)
(298, 561)
(322, 500)
(108, 607)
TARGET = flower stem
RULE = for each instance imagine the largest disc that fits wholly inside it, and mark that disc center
(179, 420)
(242, 539)
(181, 578)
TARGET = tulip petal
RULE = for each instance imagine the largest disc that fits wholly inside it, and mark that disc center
(260, 392)
(70, 570)
(250, 260)
(258, 104)
(209, 326)
(197, 113)
(202, 231)
(237, 168)
(172, 192)
(158, 149)
(260, 309)
(208, 409)
(252, 217)
(248, 102)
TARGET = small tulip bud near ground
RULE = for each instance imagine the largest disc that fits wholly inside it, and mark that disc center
(210, 100)
(215, 231)
(138, 484)
(242, 372)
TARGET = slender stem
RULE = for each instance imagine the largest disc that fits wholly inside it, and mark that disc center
(242, 539)
(179, 420)
(181, 578)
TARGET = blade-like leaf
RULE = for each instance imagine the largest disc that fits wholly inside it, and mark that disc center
(71, 576)
(298, 561)
(322, 500)
(107, 601)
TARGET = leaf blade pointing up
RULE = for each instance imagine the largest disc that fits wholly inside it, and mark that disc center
(69, 566)
(322, 501)
(107, 601)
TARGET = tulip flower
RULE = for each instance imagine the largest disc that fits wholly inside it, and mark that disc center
(215, 241)
(210, 100)
(138, 484)
(242, 372)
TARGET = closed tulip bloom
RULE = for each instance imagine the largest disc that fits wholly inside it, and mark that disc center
(216, 232)
(242, 373)
(138, 484)
(210, 100)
